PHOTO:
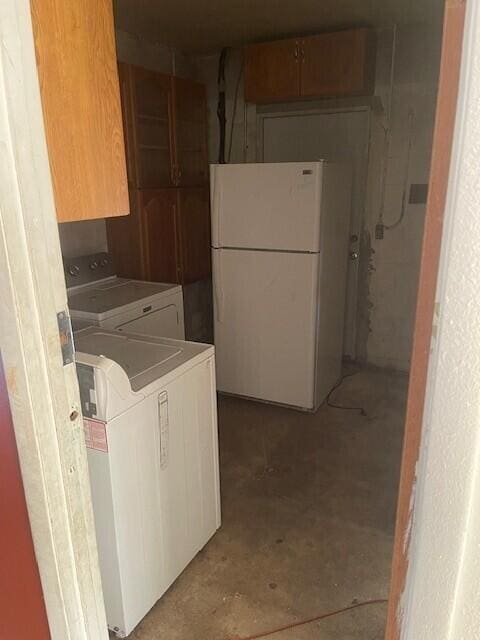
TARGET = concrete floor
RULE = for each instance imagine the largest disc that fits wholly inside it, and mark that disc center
(308, 518)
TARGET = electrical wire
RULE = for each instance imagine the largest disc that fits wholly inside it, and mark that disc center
(322, 616)
(387, 130)
(411, 120)
(339, 406)
(234, 110)
(221, 104)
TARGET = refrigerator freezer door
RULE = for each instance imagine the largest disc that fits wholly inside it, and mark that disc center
(265, 324)
(267, 205)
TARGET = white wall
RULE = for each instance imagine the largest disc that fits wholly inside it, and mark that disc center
(442, 597)
(389, 267)
(152, 55)
(79, 238)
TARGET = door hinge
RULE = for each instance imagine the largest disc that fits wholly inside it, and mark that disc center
(66, 337)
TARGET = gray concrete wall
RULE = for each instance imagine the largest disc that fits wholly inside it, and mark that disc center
(389, 267)
(80, 238)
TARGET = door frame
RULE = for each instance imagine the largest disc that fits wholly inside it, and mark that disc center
(405, 577)
(356, 226)
(43, 392)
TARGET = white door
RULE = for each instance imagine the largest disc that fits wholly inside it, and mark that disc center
(341, 135)
(266, 206)
(265, 318)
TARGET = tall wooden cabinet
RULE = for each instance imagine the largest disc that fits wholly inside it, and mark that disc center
(190, 133)
(335, 64)
(168, 235)
(76, 60)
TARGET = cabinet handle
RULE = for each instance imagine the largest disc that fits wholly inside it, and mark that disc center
(176, 175)
(296, 51)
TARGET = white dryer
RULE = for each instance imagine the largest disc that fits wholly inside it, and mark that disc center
(96, 296)
(150, 417)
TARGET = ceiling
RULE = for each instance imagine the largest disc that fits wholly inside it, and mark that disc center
(207, 25)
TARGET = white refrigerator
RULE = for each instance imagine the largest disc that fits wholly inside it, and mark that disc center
(280, 238)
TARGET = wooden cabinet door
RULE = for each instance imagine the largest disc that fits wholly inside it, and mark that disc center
(194, 234)
(77, 68)
(161, 235)
(126, 242)
(272, 71)
(124, 76)
(152, 109)
(190, 133)
(338, 64)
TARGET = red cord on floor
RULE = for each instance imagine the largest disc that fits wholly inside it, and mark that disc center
(330, 614)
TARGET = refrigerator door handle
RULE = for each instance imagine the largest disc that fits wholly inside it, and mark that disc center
(216, 205)
(218, 286)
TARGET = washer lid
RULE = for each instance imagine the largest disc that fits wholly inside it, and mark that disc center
(144, 359)
(113, 296)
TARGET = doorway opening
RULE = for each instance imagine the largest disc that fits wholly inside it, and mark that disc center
(308, 498)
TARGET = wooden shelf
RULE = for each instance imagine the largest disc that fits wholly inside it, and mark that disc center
(144, 116)
(154, 147)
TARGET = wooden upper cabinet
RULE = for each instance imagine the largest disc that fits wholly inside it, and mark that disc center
(190, 114)
(165, 120)
(338, 64)
(77, 68)
(272, 71)
(328, 65)
(150, 102)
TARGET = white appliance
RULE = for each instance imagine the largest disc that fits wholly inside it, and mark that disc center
(96, 296)
(149, 407)
(279, 252)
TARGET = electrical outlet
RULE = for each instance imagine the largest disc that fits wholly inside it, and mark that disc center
(379, 231)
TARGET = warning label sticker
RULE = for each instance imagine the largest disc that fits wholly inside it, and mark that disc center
(95, 434)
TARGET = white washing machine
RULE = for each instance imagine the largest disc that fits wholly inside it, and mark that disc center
(150, 417)
(96, 296)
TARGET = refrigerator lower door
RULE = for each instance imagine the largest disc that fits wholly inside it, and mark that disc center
(265, 324)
